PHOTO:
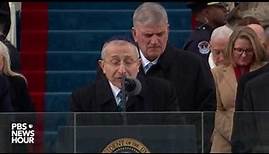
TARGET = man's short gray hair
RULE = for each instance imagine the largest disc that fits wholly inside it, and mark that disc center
(150, 13)
(119, 43)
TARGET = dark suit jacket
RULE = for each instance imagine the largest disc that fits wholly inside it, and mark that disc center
(254, 123)
(191, 77)
(5, 101)
(256, 94)
(20, 97)
(156, 95)
(242, 83)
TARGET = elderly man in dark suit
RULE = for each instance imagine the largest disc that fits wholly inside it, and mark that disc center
(188, 72)
(120, 59)
(5, 102)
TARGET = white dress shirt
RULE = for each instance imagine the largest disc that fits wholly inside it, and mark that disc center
(145, 61)
(115, 91)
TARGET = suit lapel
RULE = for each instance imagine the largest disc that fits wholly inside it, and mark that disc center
(104, 96)
(165, 59)
(163, 65)
(107, 103)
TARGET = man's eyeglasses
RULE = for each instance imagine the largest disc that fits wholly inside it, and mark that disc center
(240, 51)
(117, 62)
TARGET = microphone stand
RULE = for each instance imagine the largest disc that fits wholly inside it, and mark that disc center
(124, 99)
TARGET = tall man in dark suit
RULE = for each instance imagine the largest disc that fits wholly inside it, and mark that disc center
(189, 73)
(255, 98)
(120, 58)
(5, 102)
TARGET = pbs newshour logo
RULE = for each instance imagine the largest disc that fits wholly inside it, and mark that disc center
(22, 133)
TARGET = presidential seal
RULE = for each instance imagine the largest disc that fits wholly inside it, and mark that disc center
(125, 145)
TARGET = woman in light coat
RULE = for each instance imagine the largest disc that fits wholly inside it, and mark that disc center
(244, 53)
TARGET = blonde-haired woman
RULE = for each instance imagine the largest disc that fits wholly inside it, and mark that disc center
(244, 53)
(20, 98)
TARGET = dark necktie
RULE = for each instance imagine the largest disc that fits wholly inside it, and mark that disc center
(147, 67)
(120, 106)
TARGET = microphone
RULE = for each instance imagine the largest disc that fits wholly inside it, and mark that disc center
(132, 86)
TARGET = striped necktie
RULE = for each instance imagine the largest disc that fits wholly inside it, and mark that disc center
(120, 106)
(147, 67)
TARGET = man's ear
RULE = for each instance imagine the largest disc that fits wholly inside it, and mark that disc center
(101, 65)
(134, 34)
(168, 28)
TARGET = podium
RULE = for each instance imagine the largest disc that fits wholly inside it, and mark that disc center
(126, 132)
(98, 132)
(131, 132)
(143, 138)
